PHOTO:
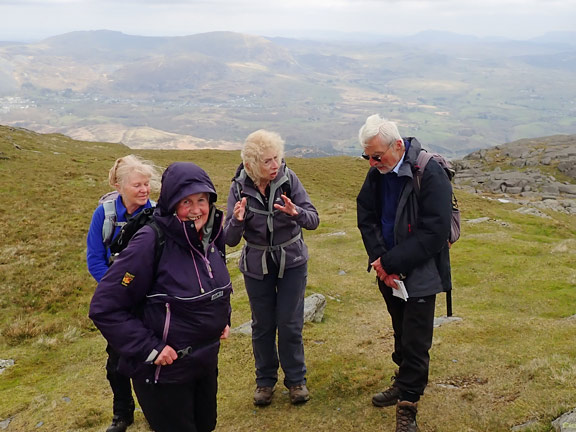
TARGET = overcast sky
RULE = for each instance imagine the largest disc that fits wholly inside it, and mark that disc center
(28, 20)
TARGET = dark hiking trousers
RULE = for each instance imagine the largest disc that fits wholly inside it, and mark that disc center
(413, 324)
(278, 305)
(123, 403)
(186, 407)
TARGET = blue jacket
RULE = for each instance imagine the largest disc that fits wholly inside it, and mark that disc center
(184, 304)
(255, 228)
(97, 253)
(421, 229)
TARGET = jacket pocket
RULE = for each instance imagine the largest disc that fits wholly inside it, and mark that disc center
(424, 280)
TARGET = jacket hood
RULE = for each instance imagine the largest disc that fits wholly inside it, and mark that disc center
(180, 180)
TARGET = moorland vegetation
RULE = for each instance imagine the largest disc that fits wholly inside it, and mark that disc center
(508, 362)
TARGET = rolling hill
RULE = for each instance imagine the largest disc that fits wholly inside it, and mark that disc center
(456, 93)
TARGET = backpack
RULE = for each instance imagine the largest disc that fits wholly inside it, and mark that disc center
(134, 224)
(108, 201)
(421, 162)
(285, 188)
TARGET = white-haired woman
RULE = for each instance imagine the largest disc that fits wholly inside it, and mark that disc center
(268, 207)
(133, 178)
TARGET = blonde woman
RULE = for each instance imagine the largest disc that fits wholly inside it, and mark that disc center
(133, 178)
(268, 207)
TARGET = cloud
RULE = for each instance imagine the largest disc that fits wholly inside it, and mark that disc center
(513, 18)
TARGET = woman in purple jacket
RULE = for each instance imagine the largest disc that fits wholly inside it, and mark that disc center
(166, 318)
(268, 207)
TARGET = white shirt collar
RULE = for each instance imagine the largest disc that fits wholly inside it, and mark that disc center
(397, 167)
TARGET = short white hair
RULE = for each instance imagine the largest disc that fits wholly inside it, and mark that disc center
(376, 125)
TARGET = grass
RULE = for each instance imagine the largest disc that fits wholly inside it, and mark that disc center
(508, 362)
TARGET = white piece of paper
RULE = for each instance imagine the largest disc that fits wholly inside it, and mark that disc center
(401, 291)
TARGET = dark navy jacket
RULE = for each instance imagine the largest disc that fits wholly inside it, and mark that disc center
(184, 303)
(421, 228)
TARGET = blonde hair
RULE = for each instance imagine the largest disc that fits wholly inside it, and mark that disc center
(254, 147)
(376, 125)
(127, 165)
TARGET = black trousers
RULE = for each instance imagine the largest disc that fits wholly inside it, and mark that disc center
(187, 407)
(123, 403)
(413, 324)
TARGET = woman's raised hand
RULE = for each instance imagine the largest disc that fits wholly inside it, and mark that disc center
(289, 208)
(240, 209)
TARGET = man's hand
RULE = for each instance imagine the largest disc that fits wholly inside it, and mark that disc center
(380, 272)
(388, 279)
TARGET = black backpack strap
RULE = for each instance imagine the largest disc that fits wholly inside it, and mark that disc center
(159, 244)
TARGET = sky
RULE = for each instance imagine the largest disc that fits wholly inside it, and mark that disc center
(30, 20)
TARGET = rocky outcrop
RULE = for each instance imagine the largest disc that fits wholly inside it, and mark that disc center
(529, 171)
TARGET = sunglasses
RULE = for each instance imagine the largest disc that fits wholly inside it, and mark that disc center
(374, 158)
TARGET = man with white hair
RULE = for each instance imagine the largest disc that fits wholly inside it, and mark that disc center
(405, 233)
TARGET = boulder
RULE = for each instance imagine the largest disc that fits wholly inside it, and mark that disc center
(566, 422)
(314, 306)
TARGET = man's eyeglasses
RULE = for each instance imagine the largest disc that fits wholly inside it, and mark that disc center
(374, 158)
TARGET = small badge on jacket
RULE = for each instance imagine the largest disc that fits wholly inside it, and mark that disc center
(128, 277)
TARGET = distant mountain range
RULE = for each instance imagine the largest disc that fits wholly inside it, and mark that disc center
(456, 93)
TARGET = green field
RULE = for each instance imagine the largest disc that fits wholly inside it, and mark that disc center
(509, 361)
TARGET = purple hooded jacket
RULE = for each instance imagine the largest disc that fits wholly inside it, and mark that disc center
(185, 303)
(272, 233)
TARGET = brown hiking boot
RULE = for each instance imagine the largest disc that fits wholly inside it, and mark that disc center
(263, 396)
(387, 397)
(299, 394)
(406, 416)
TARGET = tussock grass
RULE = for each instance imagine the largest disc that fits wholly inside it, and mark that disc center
(508, 362)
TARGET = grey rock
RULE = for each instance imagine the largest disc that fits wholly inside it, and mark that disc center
(4, 364)
(566, 422)
(524, 426)
(478, 220)
(567, 189)
(439, 321)
(533, 211)
(4, 423)
(514, 190)
(245, 328)
(335, 234)
(314, 306)
(550, 189)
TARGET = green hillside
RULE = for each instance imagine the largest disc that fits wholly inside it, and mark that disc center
(509, 361)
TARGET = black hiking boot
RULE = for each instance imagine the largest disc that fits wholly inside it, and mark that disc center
(120, 424)
(406, 416)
